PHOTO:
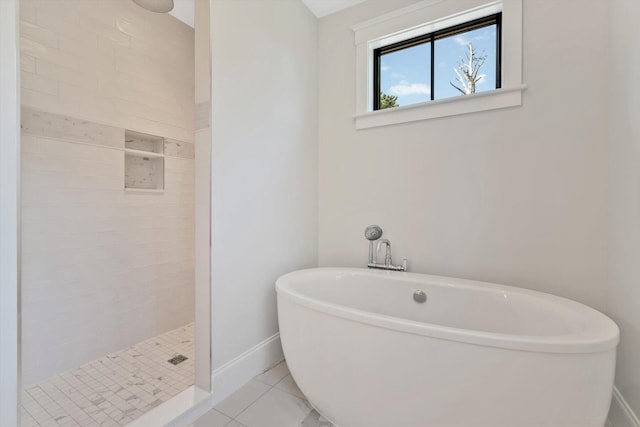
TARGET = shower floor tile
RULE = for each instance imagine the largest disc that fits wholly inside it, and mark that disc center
(115, 389)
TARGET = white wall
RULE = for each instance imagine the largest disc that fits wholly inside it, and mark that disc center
(103, 269)
(624, 101)
(515, 196)
(264, 163)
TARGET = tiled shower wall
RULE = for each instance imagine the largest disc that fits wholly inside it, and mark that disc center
(110, 62)
(102, 269)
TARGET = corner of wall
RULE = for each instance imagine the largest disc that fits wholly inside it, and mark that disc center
(240, 370)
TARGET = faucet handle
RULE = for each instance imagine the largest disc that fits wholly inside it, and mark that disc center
(404, 264)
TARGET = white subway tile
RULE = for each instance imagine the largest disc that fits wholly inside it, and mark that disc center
(39, 51)
(90, 105)
(102, 11)
(37, 83)
(107, 45)
(133, 29)
(126, 57)
(38, 34)
(96, 27)
(28, 11)
(41, 100)
(27, 64)
(85, 47)
(66, 75)
(59, 17)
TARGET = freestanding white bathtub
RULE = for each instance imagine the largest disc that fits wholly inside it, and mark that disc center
(473, 355)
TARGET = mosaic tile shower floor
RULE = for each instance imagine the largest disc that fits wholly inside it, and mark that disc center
(115, 389)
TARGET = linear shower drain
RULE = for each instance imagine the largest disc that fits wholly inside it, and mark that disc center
(177, 359)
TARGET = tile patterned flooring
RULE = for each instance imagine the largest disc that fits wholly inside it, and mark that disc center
(269, 400)
(120, 387)
(115, 389)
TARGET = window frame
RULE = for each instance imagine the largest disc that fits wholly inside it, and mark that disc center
(424, 17)
(432, 37)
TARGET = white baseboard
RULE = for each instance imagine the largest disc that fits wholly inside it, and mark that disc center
(240, 370)
(621, 414)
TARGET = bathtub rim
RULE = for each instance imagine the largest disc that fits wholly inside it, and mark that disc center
(603, 337)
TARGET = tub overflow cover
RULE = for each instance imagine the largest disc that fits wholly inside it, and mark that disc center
(419, 296)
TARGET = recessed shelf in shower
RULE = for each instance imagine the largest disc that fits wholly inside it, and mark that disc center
(143, 162)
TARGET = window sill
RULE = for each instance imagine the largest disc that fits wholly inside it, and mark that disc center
(483, 101)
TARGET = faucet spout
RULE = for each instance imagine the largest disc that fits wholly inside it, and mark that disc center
(387, 255)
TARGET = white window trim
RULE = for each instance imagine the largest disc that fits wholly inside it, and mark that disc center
(422, 18)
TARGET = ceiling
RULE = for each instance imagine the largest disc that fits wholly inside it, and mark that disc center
(184, 9)
(322, 8)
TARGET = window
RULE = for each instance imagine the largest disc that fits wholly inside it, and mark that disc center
(408, 59)
(462, 59)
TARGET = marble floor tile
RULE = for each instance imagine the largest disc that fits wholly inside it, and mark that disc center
(289, 385)
(271, 399)
(212, 418)
(275, 408)
(233, 405)
(275, 374)
(314, 419)
(115, 389)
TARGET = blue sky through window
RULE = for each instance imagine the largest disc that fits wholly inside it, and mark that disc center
(406, 73)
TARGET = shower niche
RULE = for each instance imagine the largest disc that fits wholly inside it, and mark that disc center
(143, 162)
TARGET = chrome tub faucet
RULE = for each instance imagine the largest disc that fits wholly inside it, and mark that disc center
(373, 233)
